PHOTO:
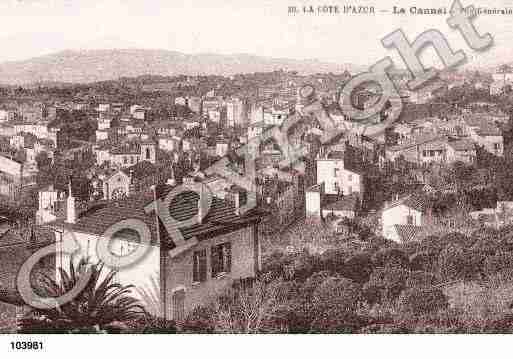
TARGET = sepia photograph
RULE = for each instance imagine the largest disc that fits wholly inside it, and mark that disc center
(340, 171)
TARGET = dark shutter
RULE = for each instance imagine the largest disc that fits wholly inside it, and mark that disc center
(215, 261)
(203, 265)
(195, 267)
(228, 257)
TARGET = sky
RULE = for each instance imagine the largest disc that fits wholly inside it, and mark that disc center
(31, 28)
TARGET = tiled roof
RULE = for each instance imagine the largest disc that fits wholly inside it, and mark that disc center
(462, 145)
(419, 140)
(221, 217)
(141, 169)
(408, 233)
(414, 201)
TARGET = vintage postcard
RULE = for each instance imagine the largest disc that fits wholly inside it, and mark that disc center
(255, 167)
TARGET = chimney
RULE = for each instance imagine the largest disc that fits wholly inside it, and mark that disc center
(71, 215)
(202, 204)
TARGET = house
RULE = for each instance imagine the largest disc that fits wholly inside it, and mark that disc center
(12, 177)
(486, 216)
(485, 134)
(126, 154)
(222, 147)
(340, 206)
(498, 87)
(504, 211)
(408, 210)
(423, 148)
(169, 143)
(462, 150)
(49, 200)
(339, 174)
(256, 129)
(321, 205)
(209, 250)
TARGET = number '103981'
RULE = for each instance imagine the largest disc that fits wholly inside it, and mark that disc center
(26, 345)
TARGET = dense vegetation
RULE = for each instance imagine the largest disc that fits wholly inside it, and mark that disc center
(452, 284)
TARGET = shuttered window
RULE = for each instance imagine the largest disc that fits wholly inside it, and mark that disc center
(221, 259)
(199, 272)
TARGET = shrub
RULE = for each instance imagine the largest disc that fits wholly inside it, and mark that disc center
(500, 263)
(334, 307)
(419, 279)
(424, 261)
(487, 246)
(415, 301)
(200, 320)
(451, 263)
(274, 264)
(305, 265)
(385, 329)
(155, 325)
(390, 257)
(457, 238)
(358, 268)
(432, 244)
(333, 260)
(385, 284)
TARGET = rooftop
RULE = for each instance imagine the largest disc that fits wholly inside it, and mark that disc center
(220, 219)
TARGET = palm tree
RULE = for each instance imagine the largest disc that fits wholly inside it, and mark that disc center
(102, 304)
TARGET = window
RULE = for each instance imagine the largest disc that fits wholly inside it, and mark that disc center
(409, 219)
(221, 259)
(350, 177)
(178, 300)
(243, 198)
(199, 271)
(335, 172)
(148, 154)
(125, 160)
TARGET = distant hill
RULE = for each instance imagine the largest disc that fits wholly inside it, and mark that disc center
(100, 65)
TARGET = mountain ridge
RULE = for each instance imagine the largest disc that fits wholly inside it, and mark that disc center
(87, 66)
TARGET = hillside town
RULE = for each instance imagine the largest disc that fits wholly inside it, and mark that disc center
(423, 209)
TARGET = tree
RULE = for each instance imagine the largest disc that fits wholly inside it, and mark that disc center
(251, 310)
(390, 257)
(416, 301)
(385, 284)
(501, 263)
(334, 307)
(424, 261)
(358, 267)
(452, 263)
(101, 304)
(420, 279)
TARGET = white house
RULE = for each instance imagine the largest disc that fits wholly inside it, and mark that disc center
(338, 176)
(408, 210)
(215, 248)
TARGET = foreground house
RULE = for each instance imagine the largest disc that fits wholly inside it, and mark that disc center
(214, 252)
